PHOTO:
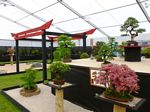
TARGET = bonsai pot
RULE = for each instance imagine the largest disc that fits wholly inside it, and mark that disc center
(59, 82)
(132, 43)
(117, 98)
(30, 92)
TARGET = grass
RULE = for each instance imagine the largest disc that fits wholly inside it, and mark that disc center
(7, 106)
(10, 81)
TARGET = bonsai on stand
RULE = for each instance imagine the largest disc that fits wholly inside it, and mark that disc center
(29, 86)
(119, 80)
(57, 70)
(130, 26)
(132, 50)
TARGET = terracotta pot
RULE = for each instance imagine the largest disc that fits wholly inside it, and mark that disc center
(59, 82)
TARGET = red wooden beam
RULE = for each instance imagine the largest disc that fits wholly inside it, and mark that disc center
(32, 32)
(91, 31)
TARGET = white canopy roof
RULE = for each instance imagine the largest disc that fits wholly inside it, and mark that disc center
(71, 16)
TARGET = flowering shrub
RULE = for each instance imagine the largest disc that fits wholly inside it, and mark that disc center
(119, 80)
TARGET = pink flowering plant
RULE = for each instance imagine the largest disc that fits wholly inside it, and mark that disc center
(120, 81)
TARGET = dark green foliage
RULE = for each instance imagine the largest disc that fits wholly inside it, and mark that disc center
(64, 47)
(84, 55)
(146, 52)
(57, 55)
(120, 95)
(58, 68)
(29, 79)
(97, 47)
(105, 52)
(65, 41)
(98, 58)
(130, 27)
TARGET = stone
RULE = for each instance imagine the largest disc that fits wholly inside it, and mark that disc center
(36, 64)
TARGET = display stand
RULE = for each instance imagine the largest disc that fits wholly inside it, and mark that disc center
(59, 93)
(121, 106)
(132, 53)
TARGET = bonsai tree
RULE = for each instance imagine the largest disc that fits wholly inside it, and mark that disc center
(97, 47)
(84, 55)
(57, 55)
(29, 86)
(64, 47)
(119, 80)
(105, 53)
(11, 52)
(57, 70)
(130, 26)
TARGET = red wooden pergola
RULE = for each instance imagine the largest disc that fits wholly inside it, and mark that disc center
(52, 37)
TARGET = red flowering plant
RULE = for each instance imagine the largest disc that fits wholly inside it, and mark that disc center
(120, 81)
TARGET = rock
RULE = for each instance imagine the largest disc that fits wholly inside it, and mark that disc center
(36, 64)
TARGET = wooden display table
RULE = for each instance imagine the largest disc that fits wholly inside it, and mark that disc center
(59, 93)
(121, 106)
(132, 53)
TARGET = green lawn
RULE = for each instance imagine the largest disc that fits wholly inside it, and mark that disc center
(7, 106)
(10, 81)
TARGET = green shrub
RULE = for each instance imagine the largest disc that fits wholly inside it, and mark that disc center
(57, 55)
(29, 79)
(84, 55)
(58, 69)
(146, 52)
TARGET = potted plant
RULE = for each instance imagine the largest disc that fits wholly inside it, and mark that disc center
(105, 52)
(11, 52)
(29, 86)
(130, 26)
(84, 55)
(97, 47)
(119, 80)
(64, 47)
(57, 70)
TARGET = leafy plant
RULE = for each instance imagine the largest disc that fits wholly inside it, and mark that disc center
(64, 46)
(97, 47)
(84, 55)
(58, 68)
(29, 79)
(130, 27)
(57, 55)
(98, 58)
(146, 52)
(105, 52)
